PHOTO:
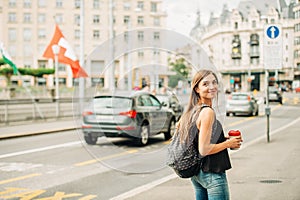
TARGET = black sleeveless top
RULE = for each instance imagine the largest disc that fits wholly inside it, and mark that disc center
(218, 162)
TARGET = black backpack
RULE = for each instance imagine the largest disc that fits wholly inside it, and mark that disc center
(184, 158)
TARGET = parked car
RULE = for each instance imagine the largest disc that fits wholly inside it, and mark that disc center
(171, 102)
(241, 103)
(138, 115)
(275, 94)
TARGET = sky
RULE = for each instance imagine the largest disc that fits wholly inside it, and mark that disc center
(182, 13)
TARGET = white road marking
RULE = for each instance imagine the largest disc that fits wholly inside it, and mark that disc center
(40, 149)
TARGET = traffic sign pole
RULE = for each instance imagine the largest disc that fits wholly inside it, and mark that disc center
(272, 60)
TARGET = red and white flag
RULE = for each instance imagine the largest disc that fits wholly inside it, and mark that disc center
(66, 54)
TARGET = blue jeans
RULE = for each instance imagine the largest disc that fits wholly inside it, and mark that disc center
(210, 186)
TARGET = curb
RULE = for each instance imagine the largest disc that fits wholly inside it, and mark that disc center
(32, 133)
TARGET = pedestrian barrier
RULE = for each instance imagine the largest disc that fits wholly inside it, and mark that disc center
(26, 110)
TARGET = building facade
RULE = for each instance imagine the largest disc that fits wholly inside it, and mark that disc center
(234, 42)
(29, 27)
(296, 11)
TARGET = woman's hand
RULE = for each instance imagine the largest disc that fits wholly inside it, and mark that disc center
(234, 142)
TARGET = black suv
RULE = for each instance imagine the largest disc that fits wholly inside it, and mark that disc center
(138, 115)
(275, 94)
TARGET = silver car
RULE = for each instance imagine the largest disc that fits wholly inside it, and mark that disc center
(241, 103)
(139, 116)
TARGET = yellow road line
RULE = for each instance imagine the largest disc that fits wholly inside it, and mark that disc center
(19, 178)
(104, 158)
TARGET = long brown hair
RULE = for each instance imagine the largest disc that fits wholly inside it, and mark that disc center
(186, 119)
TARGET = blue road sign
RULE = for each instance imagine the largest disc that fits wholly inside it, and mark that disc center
(273, 32)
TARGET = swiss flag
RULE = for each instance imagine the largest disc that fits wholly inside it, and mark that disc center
(66, 54)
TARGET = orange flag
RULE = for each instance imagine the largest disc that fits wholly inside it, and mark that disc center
(66, 54)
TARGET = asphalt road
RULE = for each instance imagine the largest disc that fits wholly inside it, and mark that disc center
(62, 166)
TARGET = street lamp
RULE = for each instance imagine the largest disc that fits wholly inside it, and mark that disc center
(55, 49)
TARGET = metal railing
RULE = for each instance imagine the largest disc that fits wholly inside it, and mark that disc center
(26, 110)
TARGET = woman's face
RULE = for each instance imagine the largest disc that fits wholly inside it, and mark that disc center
(207, 87)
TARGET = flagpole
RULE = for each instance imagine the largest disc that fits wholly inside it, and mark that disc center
(55, 49)
(81, 59)
(111, 31)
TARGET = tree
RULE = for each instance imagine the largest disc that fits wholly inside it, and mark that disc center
(8, 72)
(181, 69)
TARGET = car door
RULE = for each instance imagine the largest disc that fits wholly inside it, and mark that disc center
(161, 115)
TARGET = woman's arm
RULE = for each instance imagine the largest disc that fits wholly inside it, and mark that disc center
(204, 123)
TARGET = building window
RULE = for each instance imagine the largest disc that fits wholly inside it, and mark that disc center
(12, 17)
(236, 25)
(77, 20)
(77, 34)
(96, 4)
(253, 24)
(77, 3)
(42, 18)
(140, 20)
(153, 7)
(236, 47)
(12, 3)
(59, 18)
(96, 34)
(126, 37)
(12, 34)
(126, 19)
(140, 54)
(156, 21)
(42, 33)
(27, 18)
(59, 4)
(140, 5)
(96, 19)
(27, 4)
(140, 35)
(156, 35)
(27, 50)
(27, 34)
(42, 3)
(12, 50)
(126, 5)
(42, 64)
(272, 21)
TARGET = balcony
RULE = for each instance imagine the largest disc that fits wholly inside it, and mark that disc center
(254, 54)
(236, 55)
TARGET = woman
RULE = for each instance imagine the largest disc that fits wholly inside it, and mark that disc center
(211, 182)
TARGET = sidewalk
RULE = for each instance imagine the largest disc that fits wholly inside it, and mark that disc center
(260, 170)
(37, 128)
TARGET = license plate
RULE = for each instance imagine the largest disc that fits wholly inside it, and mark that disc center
(102, 118)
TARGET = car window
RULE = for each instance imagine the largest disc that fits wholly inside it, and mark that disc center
(111, 102)
(145, 99)
(154, 101)
(240, 97)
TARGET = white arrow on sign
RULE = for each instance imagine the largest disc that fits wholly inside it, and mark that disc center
(272, 32)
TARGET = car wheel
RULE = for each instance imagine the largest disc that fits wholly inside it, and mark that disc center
(89, 139)
(171, 130)
(143, 138)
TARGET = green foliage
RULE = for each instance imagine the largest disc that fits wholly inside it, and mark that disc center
(179, 66)
(2, 62)
(181, 69)
(36, 72)
(7, 71)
